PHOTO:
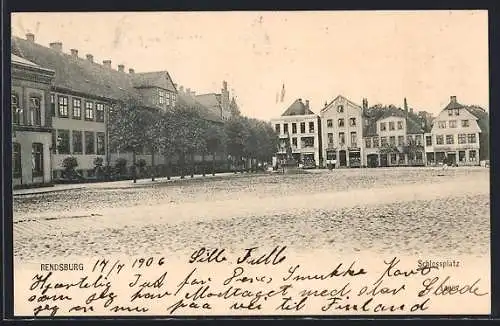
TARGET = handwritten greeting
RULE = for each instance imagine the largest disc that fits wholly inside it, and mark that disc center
(253, 281)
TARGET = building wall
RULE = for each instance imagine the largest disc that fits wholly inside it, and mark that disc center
(26, 139)
(150, 96)
(331, 112)
(73, 123)
(300, 149)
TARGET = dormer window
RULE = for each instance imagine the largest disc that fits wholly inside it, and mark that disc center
(457, 112)
(450, 112)
(340, 109)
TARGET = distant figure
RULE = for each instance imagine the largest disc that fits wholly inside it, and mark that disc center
(445, 164)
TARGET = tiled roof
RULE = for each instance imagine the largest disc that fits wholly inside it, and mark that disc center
(374, 114)
(483, 118)
(297, 108)
(160, 79)
(22, 61)
(209, 100)
(205, 113)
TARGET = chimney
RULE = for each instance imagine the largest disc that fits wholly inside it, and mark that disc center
(30, 37)
(181, 89)
(121, 68)
(131, 71)
(453, 99)
(307, 104)
(107, 63)
(405, 104)
(224, 85)
(90, 57)
(74, 53)
(56, 46)
(365, 103)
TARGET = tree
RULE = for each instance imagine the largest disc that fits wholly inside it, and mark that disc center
(214, 141)
(128, 128)
(166, 140)
(237, 134)
(69, 164)
(411, 148)
(153, 136)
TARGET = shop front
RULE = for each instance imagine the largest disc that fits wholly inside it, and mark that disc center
(354, 157)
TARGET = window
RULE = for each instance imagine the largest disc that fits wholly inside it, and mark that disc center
(457, 112)
(341, 138)
(368, 142)
(340, 109)
(53, 104)
(428, 140)
(285, 128)
(449, 139)
(168, 98)
(471, 138)
(77, 108)
(400, 125)
(442, 124)
(277, 128)
(89, 111)
(452, 123)
(382, 126)
(302, 127)
(329, 123)
(77, 142)
(461, 156)
(418, 140)
(63, 106)
(311, 127)
(354, 139)
(465, 123)
(392, 140)
(439, 140)
(16, 160)
(462, 139)
(472, 155)
(352, 122)
(450, 112)
(409, 138)
(174, 98)
(294, 128)
(89, 142)
(383, 141)
(100, 144)
(294, 141)
(161, 97)
(16, 110)
(375, 142)
(401, 140)
(341, 122)
(99, 112)
(393, 158)
(391, 125)
(63, 141)
(35, 111)
(330, 138)
(37, 159)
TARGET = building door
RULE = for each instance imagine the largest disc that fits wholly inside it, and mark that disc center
(383, 160)
(372, 160)
(342, 158)
(452, 158)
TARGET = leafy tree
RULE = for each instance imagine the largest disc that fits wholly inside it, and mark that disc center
(237, 134)
(121, 165)
(214, 141)
(69, 164)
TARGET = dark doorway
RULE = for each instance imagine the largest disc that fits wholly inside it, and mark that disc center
(452, 158)
(342, 158)
(372, 160)
(383, 160)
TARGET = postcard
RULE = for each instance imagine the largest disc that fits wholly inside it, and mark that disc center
(250, 163)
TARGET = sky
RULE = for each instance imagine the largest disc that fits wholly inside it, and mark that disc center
(384, 56)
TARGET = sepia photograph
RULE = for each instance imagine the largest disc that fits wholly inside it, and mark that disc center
(250, 163)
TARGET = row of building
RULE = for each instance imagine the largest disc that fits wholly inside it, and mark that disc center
(60, 103)
(351, 135)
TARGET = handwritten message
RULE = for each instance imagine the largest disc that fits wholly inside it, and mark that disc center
(253, 281)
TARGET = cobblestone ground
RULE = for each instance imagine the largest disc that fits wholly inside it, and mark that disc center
(410, 210)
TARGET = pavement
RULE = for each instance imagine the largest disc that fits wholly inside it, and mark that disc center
(114, 184)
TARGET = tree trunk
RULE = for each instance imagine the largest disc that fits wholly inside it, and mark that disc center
(192, 165)
(203, 163)
(213, 163)
(169, 166)
(181, 165)
(153, 170)
(134, 167)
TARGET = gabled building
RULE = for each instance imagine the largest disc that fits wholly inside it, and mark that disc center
(459, 135)
(393, 137)
(31, 122)
(298, 129)
(341, 131)
(218, 103)
(82, 93)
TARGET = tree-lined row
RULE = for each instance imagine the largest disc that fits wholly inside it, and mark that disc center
(182, 133)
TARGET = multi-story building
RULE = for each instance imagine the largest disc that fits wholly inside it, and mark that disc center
(298, 129)
(31, 122)
(341, 132)
(81, 94)
(219, 104)
(393, 137)
(460, 134)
